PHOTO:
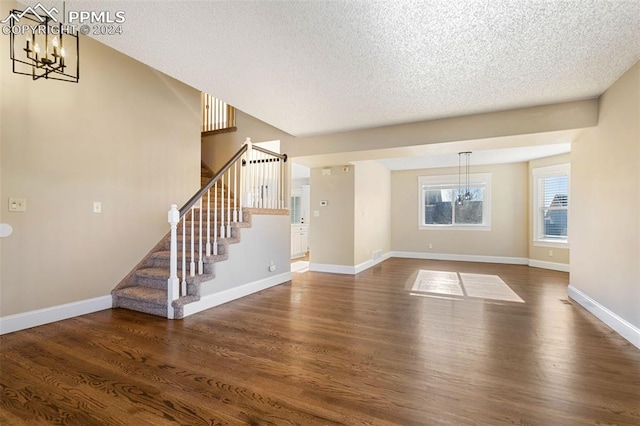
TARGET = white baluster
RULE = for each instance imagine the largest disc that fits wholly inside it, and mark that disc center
(222, 207)
(184, 253)
(228, 203)
(173, 284)
(192, 264)
(240, 197)
(235, 191)
(280, 183)
(209, 222)
(248, 178)
(200, 260)
(272, 183)
(215, 218)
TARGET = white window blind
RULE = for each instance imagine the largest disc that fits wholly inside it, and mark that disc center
(551, 203)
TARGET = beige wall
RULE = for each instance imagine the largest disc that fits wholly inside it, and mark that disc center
(569, 115)
(217, 149)
(127, 136)
(560, 255)
(605, 207)
(509, 215)
(331, 238)
(372, 210)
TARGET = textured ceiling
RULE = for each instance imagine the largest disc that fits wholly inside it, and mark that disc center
(320, 67)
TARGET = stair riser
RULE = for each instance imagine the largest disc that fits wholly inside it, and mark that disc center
(159, 283)
(221, 248)
(235, 233)
(208, 268)
(141, 306)
(213, 230)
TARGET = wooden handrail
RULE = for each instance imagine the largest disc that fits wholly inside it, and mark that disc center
(213, 180)
(273, 154)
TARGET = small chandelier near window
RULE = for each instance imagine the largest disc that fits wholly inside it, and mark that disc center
(464, 194)
(42, 47)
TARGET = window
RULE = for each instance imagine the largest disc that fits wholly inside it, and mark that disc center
(438, 209)
(551, 205)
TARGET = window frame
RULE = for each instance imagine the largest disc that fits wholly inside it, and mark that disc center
(538, 174)
(475, 180)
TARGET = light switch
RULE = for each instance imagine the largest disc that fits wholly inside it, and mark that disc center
(97, 207)
(316, 213)
(17, 205)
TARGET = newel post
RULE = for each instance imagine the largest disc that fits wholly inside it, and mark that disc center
(248, 175)
(173, 284)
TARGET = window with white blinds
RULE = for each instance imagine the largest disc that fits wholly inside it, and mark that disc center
(551, 204)
(438, 207)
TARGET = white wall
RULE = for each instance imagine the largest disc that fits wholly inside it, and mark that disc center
(605, 205)
(509, 216)
(125, 135)
(267, 240)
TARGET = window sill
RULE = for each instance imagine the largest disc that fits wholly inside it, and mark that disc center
(454, 228)
(551, 243)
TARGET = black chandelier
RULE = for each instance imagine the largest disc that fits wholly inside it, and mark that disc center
(463, 194)
(42, 47)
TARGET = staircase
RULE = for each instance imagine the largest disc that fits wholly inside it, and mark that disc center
(145, 290)
(169, 276)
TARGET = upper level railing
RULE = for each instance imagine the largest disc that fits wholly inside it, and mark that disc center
(216, 115)
(253, 177)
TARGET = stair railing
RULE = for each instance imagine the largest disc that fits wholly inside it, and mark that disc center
(199, 225)
(216, 114)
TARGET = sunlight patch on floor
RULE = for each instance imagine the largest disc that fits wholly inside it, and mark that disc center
(440, 282)
(462, 285)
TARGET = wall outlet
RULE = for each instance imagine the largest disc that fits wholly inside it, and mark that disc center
(17, 204)
(272, 266)
(97, 207)
(430, 245)
(550, 253)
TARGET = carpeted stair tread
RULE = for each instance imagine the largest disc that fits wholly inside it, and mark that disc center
(153, 273)
(144, 294)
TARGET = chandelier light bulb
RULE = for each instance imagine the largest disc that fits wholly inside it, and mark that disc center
(36, 48)
(63, 52)
(54, 42)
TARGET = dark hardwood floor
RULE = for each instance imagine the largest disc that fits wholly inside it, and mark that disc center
(333, 349)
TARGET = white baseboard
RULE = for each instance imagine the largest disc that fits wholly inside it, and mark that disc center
(212, 300)
(619, 325)
(563, 267)
(371, 263)
(347, 269)
(17, 322)
(461, 257)
(334, 269)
